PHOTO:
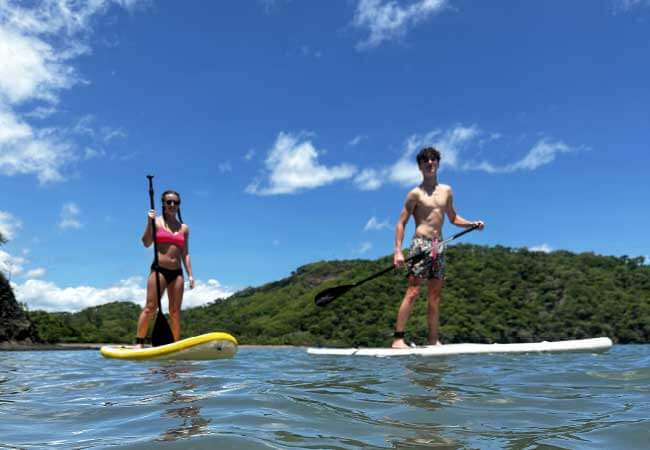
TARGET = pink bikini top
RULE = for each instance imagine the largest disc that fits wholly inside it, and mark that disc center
(165, 237)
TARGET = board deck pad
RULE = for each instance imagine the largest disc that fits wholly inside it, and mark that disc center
(594, 344)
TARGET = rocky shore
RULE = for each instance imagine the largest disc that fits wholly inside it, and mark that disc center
(15, 326)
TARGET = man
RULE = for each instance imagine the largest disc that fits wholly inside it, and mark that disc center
(428, 203)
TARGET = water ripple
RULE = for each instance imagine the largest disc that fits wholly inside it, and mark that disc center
(284, 399)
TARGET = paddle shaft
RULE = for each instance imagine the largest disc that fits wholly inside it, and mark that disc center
(416, 256)
(155, 244)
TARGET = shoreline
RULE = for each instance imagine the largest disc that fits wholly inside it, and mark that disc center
(20, 347)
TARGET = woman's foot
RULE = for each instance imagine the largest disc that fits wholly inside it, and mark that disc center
(139, 343)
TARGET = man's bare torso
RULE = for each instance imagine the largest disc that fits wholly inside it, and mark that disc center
(431, 205)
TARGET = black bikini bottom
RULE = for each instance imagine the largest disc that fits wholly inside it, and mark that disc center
(169, 274)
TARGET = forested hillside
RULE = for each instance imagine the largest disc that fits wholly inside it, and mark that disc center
(492, 294)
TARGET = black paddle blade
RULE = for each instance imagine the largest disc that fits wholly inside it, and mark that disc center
(328, 295)
(161, 334)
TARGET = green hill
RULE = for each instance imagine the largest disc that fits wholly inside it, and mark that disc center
(492, 294)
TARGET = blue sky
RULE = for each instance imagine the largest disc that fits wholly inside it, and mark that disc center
(290, 128)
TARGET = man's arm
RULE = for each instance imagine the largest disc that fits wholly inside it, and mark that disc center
(407, 210)
(455, 218)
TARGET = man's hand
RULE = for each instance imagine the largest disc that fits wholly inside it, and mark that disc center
(480, 224)
(398, 259)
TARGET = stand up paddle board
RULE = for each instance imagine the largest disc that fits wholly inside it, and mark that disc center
(202, 347)
(591, 345)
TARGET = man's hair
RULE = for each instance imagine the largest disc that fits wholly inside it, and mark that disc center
(426, 153)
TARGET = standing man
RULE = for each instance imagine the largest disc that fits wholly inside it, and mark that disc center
(428, 203)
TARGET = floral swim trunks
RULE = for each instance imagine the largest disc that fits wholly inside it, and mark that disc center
(425, 268)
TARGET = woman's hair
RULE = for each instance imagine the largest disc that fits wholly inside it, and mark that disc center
(178, 210)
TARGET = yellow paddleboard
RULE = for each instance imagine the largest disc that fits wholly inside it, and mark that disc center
(205, 346)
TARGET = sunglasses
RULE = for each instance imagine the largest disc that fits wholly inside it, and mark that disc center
(172, 202)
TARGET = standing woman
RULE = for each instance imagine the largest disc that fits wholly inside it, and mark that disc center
(172, 238)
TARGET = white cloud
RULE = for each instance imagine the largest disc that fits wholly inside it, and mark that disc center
(369, 180)
(293, 165)
(543, 152)
(33, 69)
(386, 20)
(405, 171)
(541, 248)
(11, 265)
(225, 167)
(450, 143)
(39, 272)
(204, 293)
(308, 52)
(24, 150)
(356, 140)
(41, 112)
(84, 126)
(365, 247)
(45, 295)
(38, 41)
(9, 225)
(374, 224)
(110, 134)
(70, 216)
(91, 153)
(249, 154)
(628, 5)
(456, 145)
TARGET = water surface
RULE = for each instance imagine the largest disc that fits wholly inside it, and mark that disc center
(283, 398)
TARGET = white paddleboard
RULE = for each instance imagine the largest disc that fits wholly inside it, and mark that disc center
(592, 345)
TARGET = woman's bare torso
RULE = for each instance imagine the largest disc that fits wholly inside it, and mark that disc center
(170, 256)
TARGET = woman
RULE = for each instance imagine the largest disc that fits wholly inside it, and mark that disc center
(172, 239)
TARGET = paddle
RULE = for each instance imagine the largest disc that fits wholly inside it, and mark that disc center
(161, 333)
(329, 295)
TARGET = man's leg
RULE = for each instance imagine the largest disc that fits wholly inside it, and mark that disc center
(404, 311)
(433, 309)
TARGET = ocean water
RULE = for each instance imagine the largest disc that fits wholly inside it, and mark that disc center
(282, 398)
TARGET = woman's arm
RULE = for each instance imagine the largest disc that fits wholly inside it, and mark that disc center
(186, 258)
(147, 236)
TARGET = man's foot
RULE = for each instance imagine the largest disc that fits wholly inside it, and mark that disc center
(399, 343)
(434, 344)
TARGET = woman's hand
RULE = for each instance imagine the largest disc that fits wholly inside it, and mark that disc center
(151, 215)
(191, 283)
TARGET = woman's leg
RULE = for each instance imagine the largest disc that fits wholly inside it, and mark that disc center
(151, 306)
(175, 294)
